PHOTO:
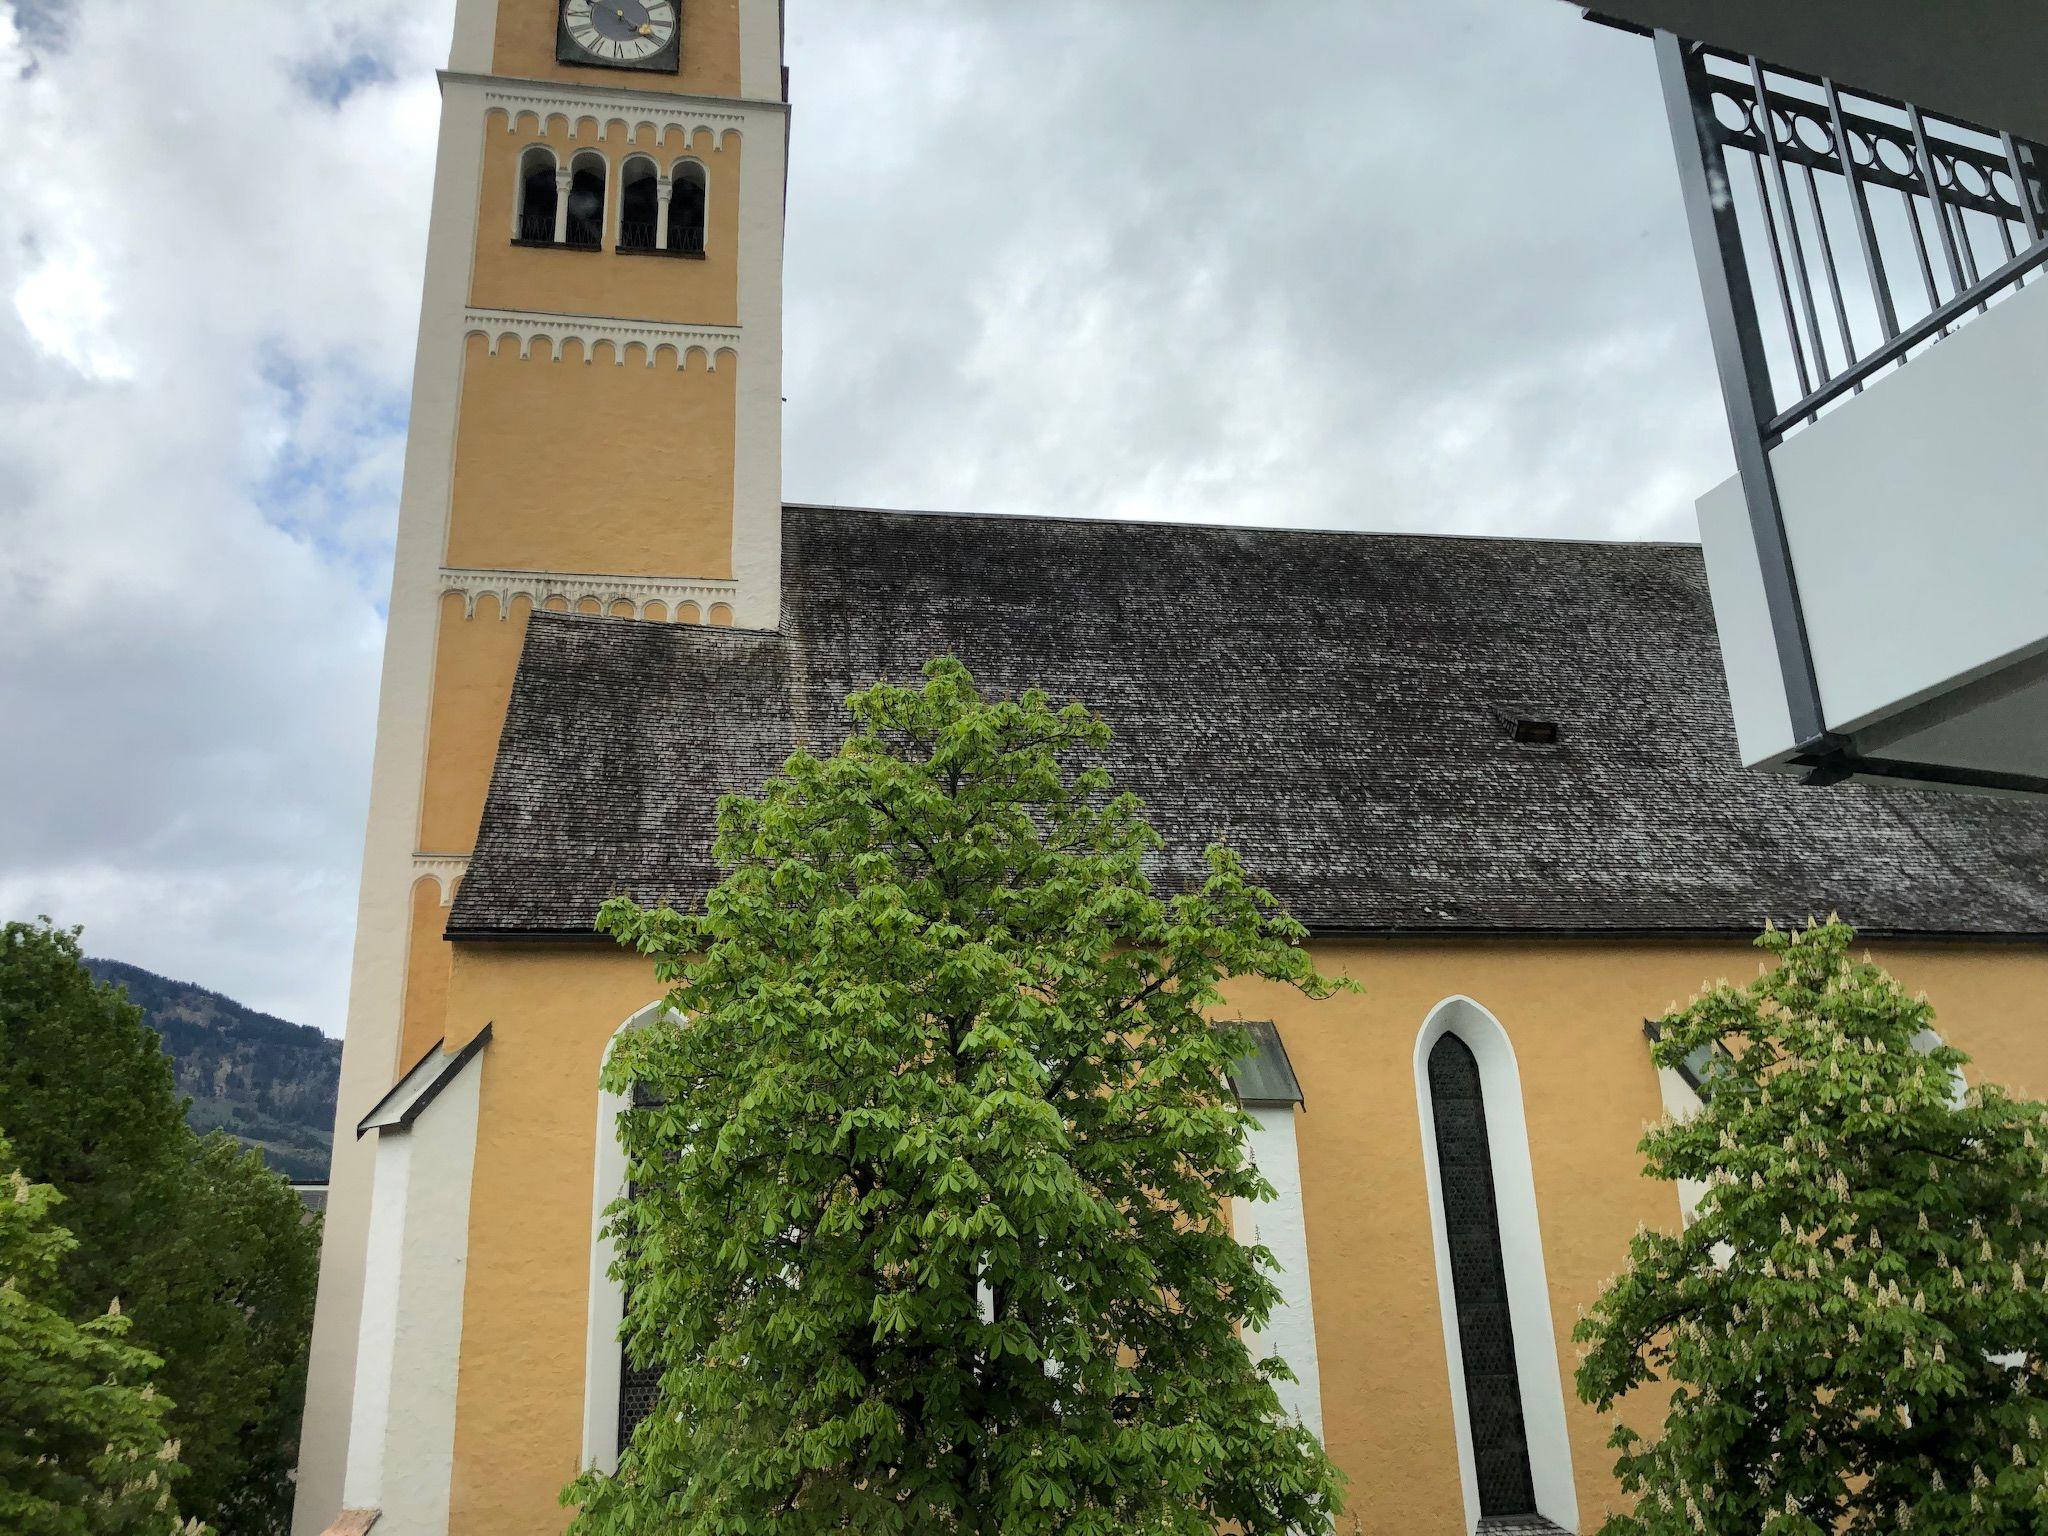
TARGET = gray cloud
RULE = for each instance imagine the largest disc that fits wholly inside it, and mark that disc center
(1411, 264)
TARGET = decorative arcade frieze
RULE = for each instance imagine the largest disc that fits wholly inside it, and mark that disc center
(677, 597)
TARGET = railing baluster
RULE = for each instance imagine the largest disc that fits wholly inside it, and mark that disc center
(1770, 133)
(1926, 159)
(2023, 184)
(1969, 254)
(1920, 250)
(1763, 197)
(1859, 203)
(1827, 257)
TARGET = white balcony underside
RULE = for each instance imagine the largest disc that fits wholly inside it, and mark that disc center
(1917, 517)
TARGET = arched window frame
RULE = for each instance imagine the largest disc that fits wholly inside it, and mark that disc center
(628, 167)
(689, 169)
(1521, 1241)
(522, 168)
(594, 161)
(603, 1357)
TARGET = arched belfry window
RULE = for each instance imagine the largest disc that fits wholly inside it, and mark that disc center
(537, 195)
(639, 204)
(686, 209)
(1479, 1282)
(586, 201)
(1500, 1340)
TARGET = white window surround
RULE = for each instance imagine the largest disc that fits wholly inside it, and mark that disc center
(607, 1299)
(1521, 1241)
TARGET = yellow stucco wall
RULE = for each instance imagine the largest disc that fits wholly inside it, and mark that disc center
(474, 660)
(428, 960)
(710, 50)
(519, 1405)
(619, 468)
(604, 282)
(1573, 1011)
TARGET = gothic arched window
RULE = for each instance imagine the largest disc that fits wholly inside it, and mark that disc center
(639, 204)
(586, 201)
(686, 209)
(537, 195)
(1486, 1337)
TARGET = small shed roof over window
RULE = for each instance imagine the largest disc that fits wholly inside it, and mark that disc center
(1266, 1077)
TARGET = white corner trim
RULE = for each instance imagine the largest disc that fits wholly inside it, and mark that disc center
(526, 326)
(761, 48)
(606, 1305)
(573, 586)
(1521, 1240)
(1281, 1225)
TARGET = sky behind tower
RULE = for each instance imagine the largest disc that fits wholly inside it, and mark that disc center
(1407, 264)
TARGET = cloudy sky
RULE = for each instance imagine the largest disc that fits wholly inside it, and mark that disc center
(1390, 264)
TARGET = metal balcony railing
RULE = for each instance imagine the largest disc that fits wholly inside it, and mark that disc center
(1941, 220)
(537, 225)
(1875, 227)
(584, 231)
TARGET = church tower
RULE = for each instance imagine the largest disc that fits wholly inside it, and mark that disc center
(596, 428)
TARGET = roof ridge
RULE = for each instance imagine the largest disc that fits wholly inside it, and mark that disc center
(1209, 527)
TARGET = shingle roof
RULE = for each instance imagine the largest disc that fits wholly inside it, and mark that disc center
(1333, 704)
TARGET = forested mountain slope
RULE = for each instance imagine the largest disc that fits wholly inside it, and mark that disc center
(266, 1082)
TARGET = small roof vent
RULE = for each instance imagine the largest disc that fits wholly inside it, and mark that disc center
(1524, 726)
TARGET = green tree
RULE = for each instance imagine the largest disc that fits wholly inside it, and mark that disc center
(83, 1449)
(928, 1230)
(1855, 1327)
(206, 1247)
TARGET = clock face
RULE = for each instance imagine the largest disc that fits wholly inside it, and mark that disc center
(618, 34)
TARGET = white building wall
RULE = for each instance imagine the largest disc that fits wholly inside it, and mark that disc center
(402, 1441)
(1282, 1225)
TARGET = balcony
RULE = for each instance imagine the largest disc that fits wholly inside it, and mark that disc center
(1873, 271)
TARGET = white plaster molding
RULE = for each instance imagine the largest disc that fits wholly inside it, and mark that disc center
(603, 1352)
(446, 869)
(573, 586)
(721, 117)
(1521, 1242)
(527, 325)
(1281, 1225)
